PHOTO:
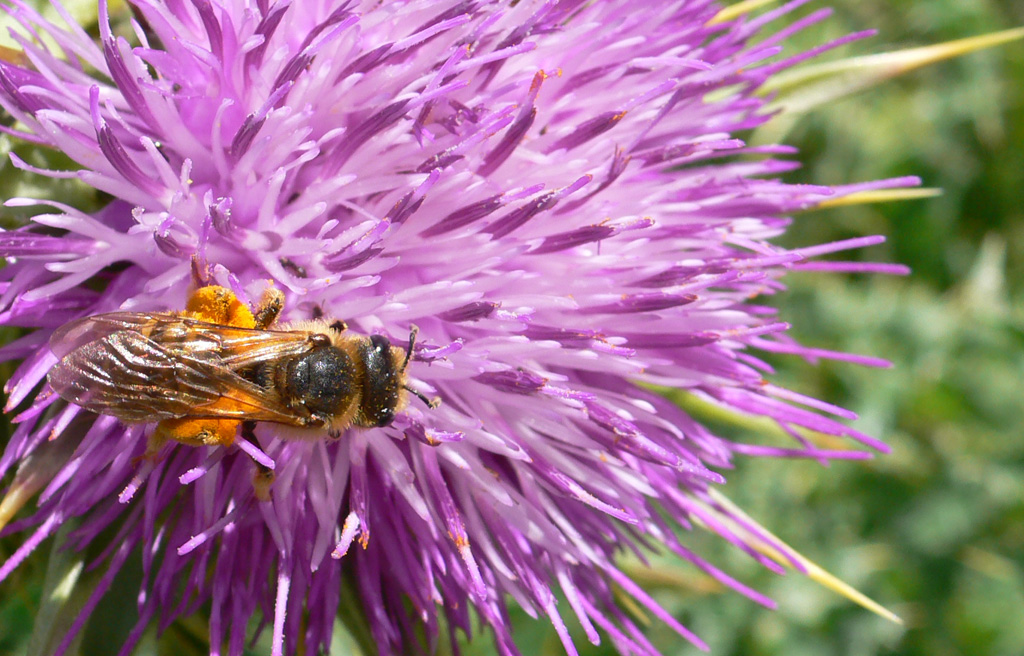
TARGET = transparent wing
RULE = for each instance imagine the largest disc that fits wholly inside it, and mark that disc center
(89, 329)
(143, 368)
(235, 347)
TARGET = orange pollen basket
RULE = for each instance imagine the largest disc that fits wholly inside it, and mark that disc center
(219, 305)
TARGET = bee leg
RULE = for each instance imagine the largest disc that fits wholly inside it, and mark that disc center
(264, 476)
(289, 265)
(261, 482)
(269, 307)
(202, 273)
(156, 441)
(202, 431)
(337, 325)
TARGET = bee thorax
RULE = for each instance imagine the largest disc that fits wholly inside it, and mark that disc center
(324, 381)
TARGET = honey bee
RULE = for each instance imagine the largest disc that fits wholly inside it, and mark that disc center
(218, 366)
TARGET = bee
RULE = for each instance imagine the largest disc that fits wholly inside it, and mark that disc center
(219, 366)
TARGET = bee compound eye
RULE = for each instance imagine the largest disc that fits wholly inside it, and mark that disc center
(380, 343)
(386, 416)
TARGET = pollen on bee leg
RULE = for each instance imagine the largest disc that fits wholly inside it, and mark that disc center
(262, 479)
(270, 305)
(217, 304)
(202, 431)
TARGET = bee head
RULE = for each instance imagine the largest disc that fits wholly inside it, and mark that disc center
(383, 380)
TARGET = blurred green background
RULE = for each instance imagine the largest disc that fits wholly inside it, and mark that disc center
(935, 530)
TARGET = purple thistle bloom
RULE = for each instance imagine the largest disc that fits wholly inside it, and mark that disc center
(552, 191)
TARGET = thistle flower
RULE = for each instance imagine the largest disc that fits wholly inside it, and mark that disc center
(554, 192)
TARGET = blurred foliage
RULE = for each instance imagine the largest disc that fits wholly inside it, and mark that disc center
(934, 530)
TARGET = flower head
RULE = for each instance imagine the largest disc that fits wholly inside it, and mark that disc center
(553, 192)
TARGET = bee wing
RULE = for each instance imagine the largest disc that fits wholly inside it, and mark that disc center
(89, 329)
(235, 347)
(126, 375)
(113, 366)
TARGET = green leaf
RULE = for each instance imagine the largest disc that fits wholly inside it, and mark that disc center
(65, 591)
(807, 87)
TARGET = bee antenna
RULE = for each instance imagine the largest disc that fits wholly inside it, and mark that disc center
(413, 331)
(430, 403)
